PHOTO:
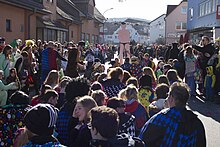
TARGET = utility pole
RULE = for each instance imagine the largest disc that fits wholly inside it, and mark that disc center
(104, 23)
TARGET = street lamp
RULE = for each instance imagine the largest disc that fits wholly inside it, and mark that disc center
(104, 23)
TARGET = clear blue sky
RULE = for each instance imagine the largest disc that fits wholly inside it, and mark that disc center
(146, 9)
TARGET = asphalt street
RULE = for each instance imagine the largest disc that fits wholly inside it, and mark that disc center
(209, 114)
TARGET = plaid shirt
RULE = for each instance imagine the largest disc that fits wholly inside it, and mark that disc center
(62, 126)
(174, 127)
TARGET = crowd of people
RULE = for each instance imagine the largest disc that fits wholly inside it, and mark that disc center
(54, 94)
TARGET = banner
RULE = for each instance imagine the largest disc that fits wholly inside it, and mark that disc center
(218, 12)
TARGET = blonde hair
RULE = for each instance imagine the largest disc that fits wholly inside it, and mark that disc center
(23, 137)
(131, 92)
(88, 103)
(121, 94)
(52, 78)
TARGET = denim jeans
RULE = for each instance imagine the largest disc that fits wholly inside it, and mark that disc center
(191, 83)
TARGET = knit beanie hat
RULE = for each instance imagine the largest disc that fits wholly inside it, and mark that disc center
(41, 119)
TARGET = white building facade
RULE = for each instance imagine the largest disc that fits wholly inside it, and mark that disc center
(134, 35)
(157, 29)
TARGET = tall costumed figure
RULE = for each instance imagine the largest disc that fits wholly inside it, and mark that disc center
(124, 41)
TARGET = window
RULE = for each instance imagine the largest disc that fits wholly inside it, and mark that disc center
(97, 39)
(93, 38)
(202, 9)
(180, 25)
(22, 28)
(207, 7)
(191, 13)
(183, 25)
(49, 34)
(53, 37)
(40, 34)
(183, 10)
(71, 34)
(8, 25)
(214, 5)
(88, 37)
(83, 36)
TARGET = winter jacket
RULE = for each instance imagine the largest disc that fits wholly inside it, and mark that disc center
(4, 93)
(207, 51)
(49, 61)
(174, 51)
(139, 111)
(174, 127)
(81, 137)
(126, 124)
(112, 87)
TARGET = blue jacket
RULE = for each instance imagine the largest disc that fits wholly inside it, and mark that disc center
(174, 127)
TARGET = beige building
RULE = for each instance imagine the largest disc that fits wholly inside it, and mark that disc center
(91, 20)
(58, 20)
(18, 20)
(175, 22)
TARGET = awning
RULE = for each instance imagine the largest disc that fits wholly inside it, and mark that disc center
(42, 23)
(67, 16)
(200, 29)
(29, 5)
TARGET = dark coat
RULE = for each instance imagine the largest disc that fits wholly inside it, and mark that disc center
(174, 51)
